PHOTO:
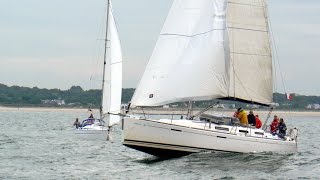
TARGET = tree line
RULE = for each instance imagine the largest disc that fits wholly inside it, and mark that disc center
(76, 96)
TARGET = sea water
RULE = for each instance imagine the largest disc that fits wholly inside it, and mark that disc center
(42, 145)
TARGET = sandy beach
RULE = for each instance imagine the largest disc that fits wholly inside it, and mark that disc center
(159, 111)
(41, 109)
(230, 112)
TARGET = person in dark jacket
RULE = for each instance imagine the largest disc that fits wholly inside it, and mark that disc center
(282, 128)
(77, 123)
(251, 118)
(91, 115)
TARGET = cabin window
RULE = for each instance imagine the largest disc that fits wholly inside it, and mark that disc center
(150, 95)
(222, 137)
(176, 130)
(222, 128)
(259, 133)
(243, 131)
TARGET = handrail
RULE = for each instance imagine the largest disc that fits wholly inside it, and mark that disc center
(264, 127)
(204, 110)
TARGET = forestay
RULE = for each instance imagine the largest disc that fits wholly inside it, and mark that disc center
(111, 98)
(209, 49)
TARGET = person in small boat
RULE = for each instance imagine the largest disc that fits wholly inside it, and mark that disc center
(282, 128)
(90, 119)
(243, 117)
(258, 122)
(77, 123)
(91, 116)
(274, 124)
(251, 118)
(87, 122)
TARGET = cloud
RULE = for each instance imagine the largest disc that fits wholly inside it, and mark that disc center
(308, 29)
(54, 43)
(64, 72)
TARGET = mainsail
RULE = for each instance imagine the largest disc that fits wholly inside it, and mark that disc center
(209, 49)
(112, 85)
(250, 52)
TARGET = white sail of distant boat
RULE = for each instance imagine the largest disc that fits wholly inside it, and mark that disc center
(111, 80)
(207, 50)
(112, 75)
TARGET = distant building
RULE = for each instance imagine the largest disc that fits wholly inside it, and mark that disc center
(165, 107)
(219, 106)
(58, 102)
(253, 106)
(232, 106)
(313, 106)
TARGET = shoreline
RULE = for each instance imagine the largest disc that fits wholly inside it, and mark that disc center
(228, 112)
(40, 109)
(158, 111)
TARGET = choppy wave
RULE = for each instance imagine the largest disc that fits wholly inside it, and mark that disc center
(42, 145)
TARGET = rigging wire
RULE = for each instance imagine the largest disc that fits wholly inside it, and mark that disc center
(96, 57)
(274, 67)
(273, 42)
(277, 59)
(97, 52)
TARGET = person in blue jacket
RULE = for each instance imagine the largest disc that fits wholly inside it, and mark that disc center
(282, 128)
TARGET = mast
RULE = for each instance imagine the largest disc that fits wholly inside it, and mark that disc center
(104, 58)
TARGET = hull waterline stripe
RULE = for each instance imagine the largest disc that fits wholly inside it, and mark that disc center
(168, 146)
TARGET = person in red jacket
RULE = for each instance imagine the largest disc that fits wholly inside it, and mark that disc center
(274, 125)
(258, 122)
(237, 113)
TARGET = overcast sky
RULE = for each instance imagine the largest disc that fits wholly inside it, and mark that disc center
(57, 44)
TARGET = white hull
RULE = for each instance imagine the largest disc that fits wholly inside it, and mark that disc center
(90, 131)
(185, 136)
(95, 128)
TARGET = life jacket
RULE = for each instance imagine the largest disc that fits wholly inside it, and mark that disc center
(236, 114)
(282, 128)
(242, 116)
(274, 125)
(258, 123)
(252, 119)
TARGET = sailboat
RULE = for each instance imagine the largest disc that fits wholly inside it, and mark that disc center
(111, 82)
(207, 50)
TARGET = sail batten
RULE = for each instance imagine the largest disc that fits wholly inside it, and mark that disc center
(167, 34)
(246, 4)
(247, 29)
(251, 54)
